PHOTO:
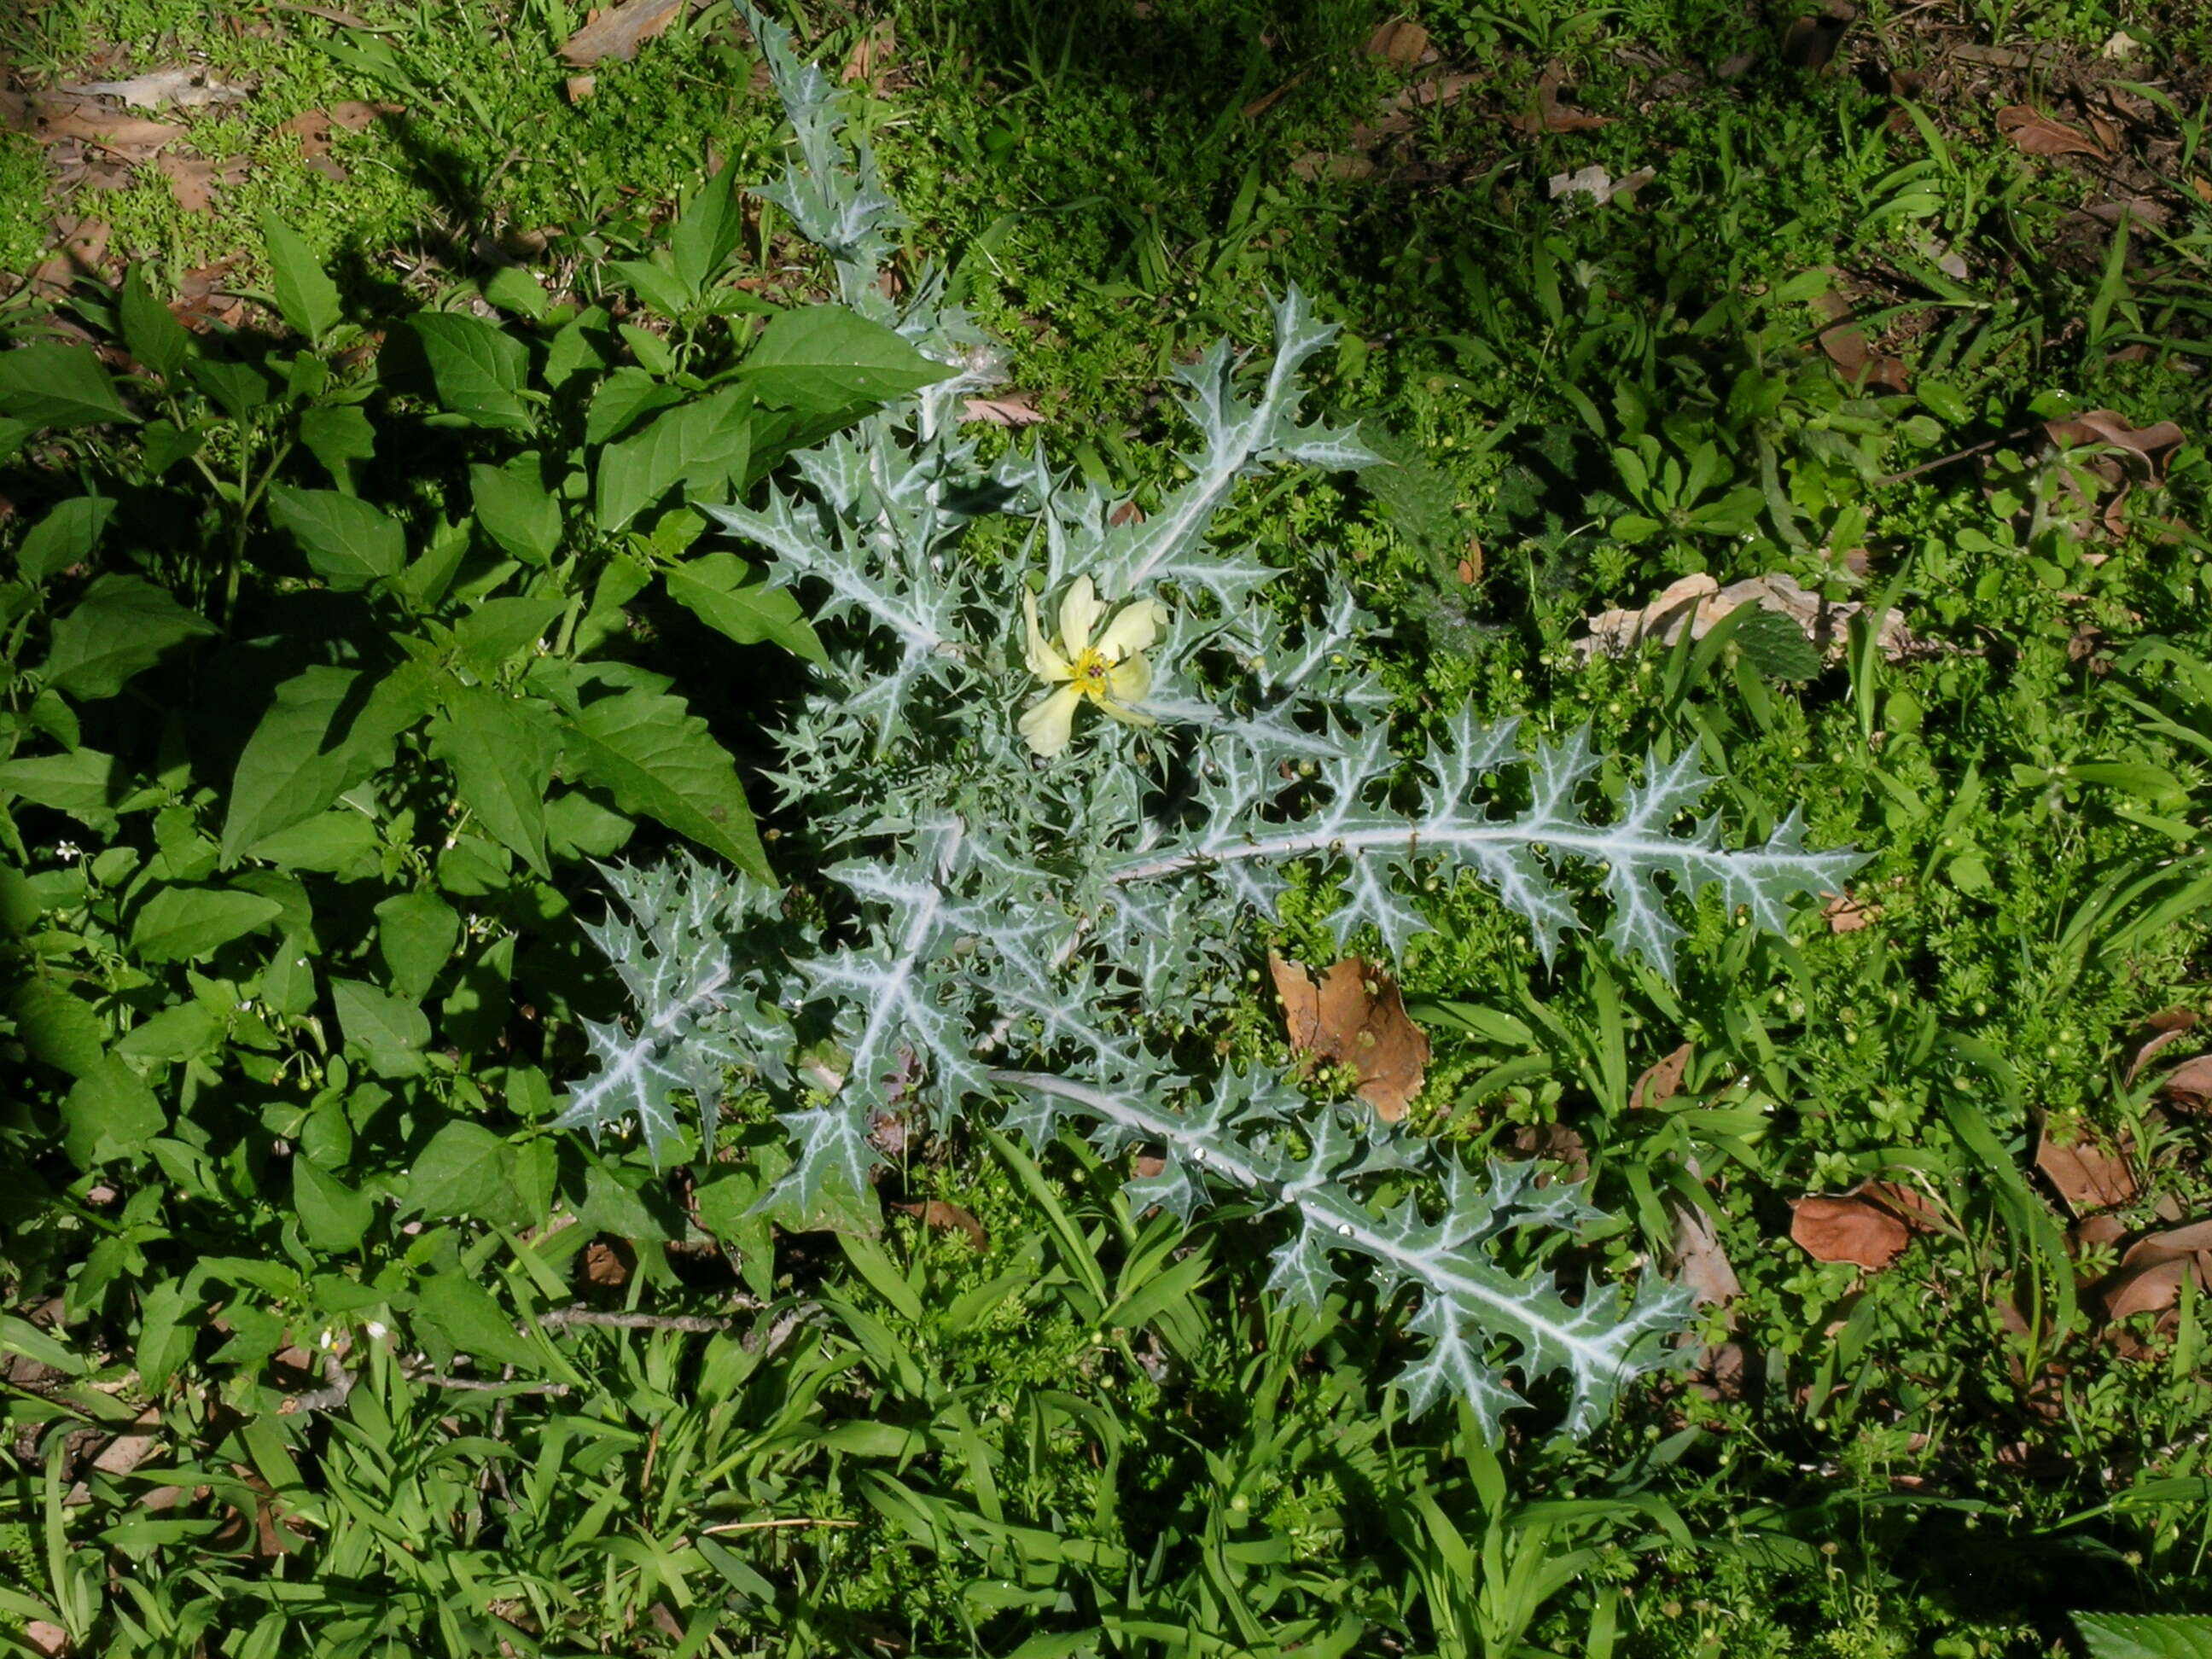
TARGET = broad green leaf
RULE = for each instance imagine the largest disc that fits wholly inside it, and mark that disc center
(824, 357)
(572, 350)
(656, 757)
(516, 513)
(57, 1027)
(703, 444)
(2146, 1635)
(493, 633)
(416, 933)
(183, 924)
(665, 293)
(109, 1113)
(502, 751)
(480, 369)
(513, 289)
(21, 1336)
(337, 436)
(714, 589)
(156, 338)
(123, 624)
(330, 843)
(348, 542)
(58, 386)
(241, 388)
(327, 730)
(332, 1215)
(464, 1312)
(392, 1031)
(305, 294)
(463, 1172)
(624, 398)
(168, 1317)
(66, 535)
(166, 443)
(435, 567)
(84, 783)
(707, 232)
(184, 1031)
(579, 826)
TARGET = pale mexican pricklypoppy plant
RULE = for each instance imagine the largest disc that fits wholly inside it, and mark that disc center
(1021, 928)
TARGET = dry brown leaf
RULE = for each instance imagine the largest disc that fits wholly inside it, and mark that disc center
(191, 179)
(2189, 1085)
(578, 88)
(51, 1640)
(1016, 408)
(1845, 914)
(936, 1212)
(1555, 1142)
(608, 1263)
(1315, 165)
(1698, 601)
(2085, 1176)
(2169, 1025)
(81, 248)
(869, 61)
(1662, 1080)
(2033, 133)
(182, 86)
(617, 32)
(128, 137)
(1848, 348)
(1870, 1226)
(1355, 1016)
(2147, 447)
(1550, 115)
(1403, 42)
(1128, 513)
(1697, 1260)
(2202, 185)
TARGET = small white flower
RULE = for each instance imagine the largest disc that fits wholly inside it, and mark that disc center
(377, 1330)
(66, 850)
(1109, 671)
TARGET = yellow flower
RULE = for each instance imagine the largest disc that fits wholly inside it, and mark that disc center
(1108, 670)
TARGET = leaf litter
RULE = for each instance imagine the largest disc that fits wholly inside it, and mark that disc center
(1355, 1016)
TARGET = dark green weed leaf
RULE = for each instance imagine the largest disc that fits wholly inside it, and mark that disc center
(62, 538)
(716, 589)
(513, 289)
(2145, 1635)
(328, 729)
(339, 435)
(109, 1114)
(416, 933)
(623, 399)
(1777, 646)
(498, 630)
(155, 337)
(390, 1031)
(502, 751)
(665, 293)
(657, 758)
(307, 296)
(122, 625)
(84, 783)
(332, 1215)
(168, 1321)
(465, 1313)
(480, 369)
(825, 357)
(240, 388)
(707, 232)
(168, 443)
(347, 542)
(58, 386)
(57, 1027)
(463, 1172)
(704, 444)
(516, 513)
(184, 924)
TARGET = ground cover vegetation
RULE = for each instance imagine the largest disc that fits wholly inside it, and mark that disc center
(526, 1139)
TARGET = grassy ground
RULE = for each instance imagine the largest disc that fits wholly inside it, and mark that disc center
(1851, 327)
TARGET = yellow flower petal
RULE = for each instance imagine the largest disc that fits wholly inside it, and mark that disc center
(1077, 611)
(1047, 727)
(1133, 630)
(1044, 661)
(1128, 716)
(1130, 681)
